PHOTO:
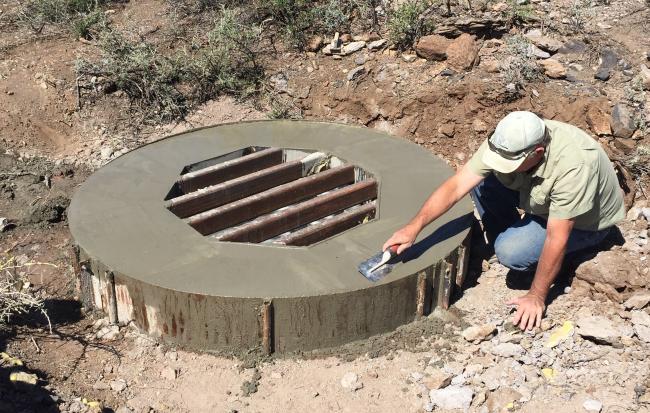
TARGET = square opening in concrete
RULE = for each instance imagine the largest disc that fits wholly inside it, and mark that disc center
(273, 195)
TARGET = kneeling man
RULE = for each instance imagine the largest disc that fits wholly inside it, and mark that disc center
(557, 174)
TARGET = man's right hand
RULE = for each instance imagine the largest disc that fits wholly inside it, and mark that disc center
(403, 238)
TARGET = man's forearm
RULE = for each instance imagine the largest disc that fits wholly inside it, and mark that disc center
(438, 203)
(549, 265)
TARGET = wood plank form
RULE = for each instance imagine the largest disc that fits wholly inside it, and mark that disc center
(330, 226)
(304, 213)
(235, 189)
(264, 202)
(225, 171)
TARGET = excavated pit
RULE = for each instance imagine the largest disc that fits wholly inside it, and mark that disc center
(248, 235)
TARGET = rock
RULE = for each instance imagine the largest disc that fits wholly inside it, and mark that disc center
(447, 72)
(433, 47)
(106, 152)
(508, 350)
(537, 52)
(500, 399)
(491, 65)
(172, 355)
(447, 129)
(169, 373)
(640, 318)
(609, 292)
(462, 52)
(480, 126)
(592, 405)
(123, 409)
(377, 44)
(638, 300)
(314, 44)
(645, 77)
(598, 120)
(76, 406)
(452, 397)
(437, 379)
(101, 385)
(356, 73)
(598, 329)
(108, 333)
(560, 334)
(611, 267)
(553, 68)
(21, 378)
(573, 47)
(608, 61)
(352, 47)
(327, 50)
(346, 38)
(478, 333)
(280, 82)
(544, 42)
(360, 60)
(622, 122)
(351, 382)
(118, 385)
(409, 58)
(416, 376)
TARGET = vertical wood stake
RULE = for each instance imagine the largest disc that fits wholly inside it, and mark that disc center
(421, 294)
(267, 327)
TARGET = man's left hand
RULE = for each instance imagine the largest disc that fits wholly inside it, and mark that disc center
(530, 309)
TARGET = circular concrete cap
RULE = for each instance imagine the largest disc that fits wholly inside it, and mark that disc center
(118, 218)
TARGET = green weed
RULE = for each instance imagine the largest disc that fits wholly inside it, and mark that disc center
(90, 25)
(166, 86)
(519, 65)
(405, 25)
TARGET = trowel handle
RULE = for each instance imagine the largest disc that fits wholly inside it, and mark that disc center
(392, 250)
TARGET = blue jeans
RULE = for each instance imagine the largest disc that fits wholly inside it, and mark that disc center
(518, 242)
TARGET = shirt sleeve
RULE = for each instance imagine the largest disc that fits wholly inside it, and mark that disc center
(476, 163)
(573, 193)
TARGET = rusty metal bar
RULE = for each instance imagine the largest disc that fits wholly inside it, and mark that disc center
(76, 265)
(267, 327)
(463, 260)
(303, 213)
(330, 226)
(111, 297)
(253, 206)
(225, 171)
(234, 189)
(447, 280)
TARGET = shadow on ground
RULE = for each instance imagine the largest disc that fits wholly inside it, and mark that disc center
(19, 396)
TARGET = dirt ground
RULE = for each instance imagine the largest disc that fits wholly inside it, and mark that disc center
(52, 138)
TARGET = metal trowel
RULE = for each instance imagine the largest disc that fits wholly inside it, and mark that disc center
(379, 265)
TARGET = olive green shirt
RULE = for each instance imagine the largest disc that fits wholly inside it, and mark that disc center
(575, 180)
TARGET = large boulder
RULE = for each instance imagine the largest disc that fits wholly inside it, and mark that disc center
(553, 68)
(598, 119)
(462, 52)
(433, 47)
(544, 42)
(613, 268)
(622, 122)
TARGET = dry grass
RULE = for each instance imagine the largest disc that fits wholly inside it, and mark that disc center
(16, 296)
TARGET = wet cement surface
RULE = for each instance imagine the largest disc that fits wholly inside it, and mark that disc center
(118, 215)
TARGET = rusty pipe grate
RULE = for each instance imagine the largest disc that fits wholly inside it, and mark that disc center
(273, 195)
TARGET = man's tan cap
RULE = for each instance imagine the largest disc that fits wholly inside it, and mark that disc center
(515, 135)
